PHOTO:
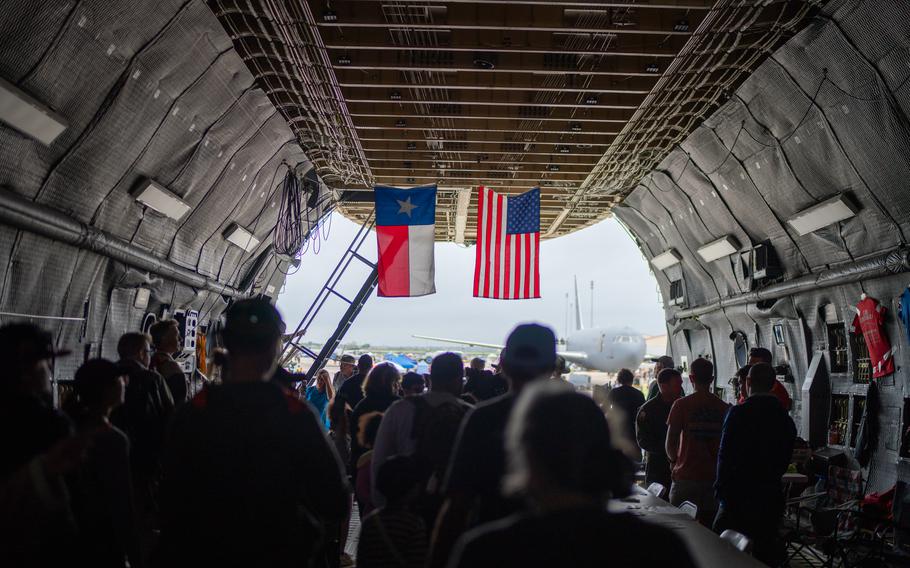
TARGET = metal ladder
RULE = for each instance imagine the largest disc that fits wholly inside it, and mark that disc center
(292, 342)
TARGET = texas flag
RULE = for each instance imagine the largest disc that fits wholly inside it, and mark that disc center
(405, 232)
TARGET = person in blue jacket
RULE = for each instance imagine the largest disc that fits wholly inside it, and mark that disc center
(320, 393)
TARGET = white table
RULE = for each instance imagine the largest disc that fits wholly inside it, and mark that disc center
(708, 550)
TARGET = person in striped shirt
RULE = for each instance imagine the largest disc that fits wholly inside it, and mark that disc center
(395, 536)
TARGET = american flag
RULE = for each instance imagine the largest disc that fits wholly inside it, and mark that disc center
(508, 245)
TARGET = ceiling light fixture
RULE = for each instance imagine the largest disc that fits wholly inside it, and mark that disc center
(400, 123)
(591, 100)
(235, 234)
(344, 60)
(329, 16)
(155, 196)
(575, 127)
(553, 167)
(652, 68)
(681, 26)
(563, 149)
(724, 246)
(395, 96)
(828, 212)
(666, 259)
(28, 115)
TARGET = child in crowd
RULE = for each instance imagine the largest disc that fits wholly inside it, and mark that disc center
(368, 427)
(394, 536)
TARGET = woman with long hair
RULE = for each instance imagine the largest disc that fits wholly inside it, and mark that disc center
(320, 393)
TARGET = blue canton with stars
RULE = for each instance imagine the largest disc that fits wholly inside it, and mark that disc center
(524, 213)
(397, 207)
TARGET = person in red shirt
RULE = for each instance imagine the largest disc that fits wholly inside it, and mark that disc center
(762, 355)
(693, 440)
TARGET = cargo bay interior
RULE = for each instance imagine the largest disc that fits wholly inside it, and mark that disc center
(757, 153)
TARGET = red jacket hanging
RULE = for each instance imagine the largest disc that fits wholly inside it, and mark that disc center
(870, 319)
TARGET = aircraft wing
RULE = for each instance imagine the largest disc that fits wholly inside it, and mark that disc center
(577, 357)
(460, 342)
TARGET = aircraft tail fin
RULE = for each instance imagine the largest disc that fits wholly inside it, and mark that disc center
(578, 323)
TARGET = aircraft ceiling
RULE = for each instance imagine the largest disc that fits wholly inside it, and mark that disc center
(580, 98)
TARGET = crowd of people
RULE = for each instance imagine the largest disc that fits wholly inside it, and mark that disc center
(727, 461)
(463, 467)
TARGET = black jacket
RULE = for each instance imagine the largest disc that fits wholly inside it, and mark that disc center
(755, 450)
(629, 399)
(250, 479)
(144, 416)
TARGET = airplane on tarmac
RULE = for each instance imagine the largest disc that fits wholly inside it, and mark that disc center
(607, 349)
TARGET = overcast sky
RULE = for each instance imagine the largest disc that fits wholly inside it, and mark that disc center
(625, 292)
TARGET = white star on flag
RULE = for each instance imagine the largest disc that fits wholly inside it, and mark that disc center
(406, 206)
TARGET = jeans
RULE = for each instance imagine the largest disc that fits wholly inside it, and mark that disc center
(701, 493)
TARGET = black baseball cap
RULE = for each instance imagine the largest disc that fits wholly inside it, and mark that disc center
(665, 361)
(348, 358)
(531, 346)
(25, 342)
(253, 317)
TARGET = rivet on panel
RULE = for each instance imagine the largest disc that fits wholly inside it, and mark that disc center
(175, 111)
(192, 127)
(110, 49)
(82, 22)
(243, 178)
(220, 153)
(231, 166)
(797, 140)
(157, 94)
(136, 74)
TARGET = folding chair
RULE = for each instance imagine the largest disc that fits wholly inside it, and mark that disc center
(689, 508)
(828, 527)
(658, 490)
(739, 541)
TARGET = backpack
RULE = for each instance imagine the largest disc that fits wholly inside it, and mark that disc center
(435, 429)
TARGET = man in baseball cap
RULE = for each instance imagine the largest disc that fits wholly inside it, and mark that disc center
(27, 416)
(477, 467)
(251, 442)
(38, 449)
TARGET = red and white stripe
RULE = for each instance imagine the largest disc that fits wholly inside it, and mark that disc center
(506, 266)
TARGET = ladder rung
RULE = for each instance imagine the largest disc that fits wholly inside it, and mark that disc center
(366, 261)
(332, 290)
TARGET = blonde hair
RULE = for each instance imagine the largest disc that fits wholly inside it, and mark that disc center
(329, 389)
